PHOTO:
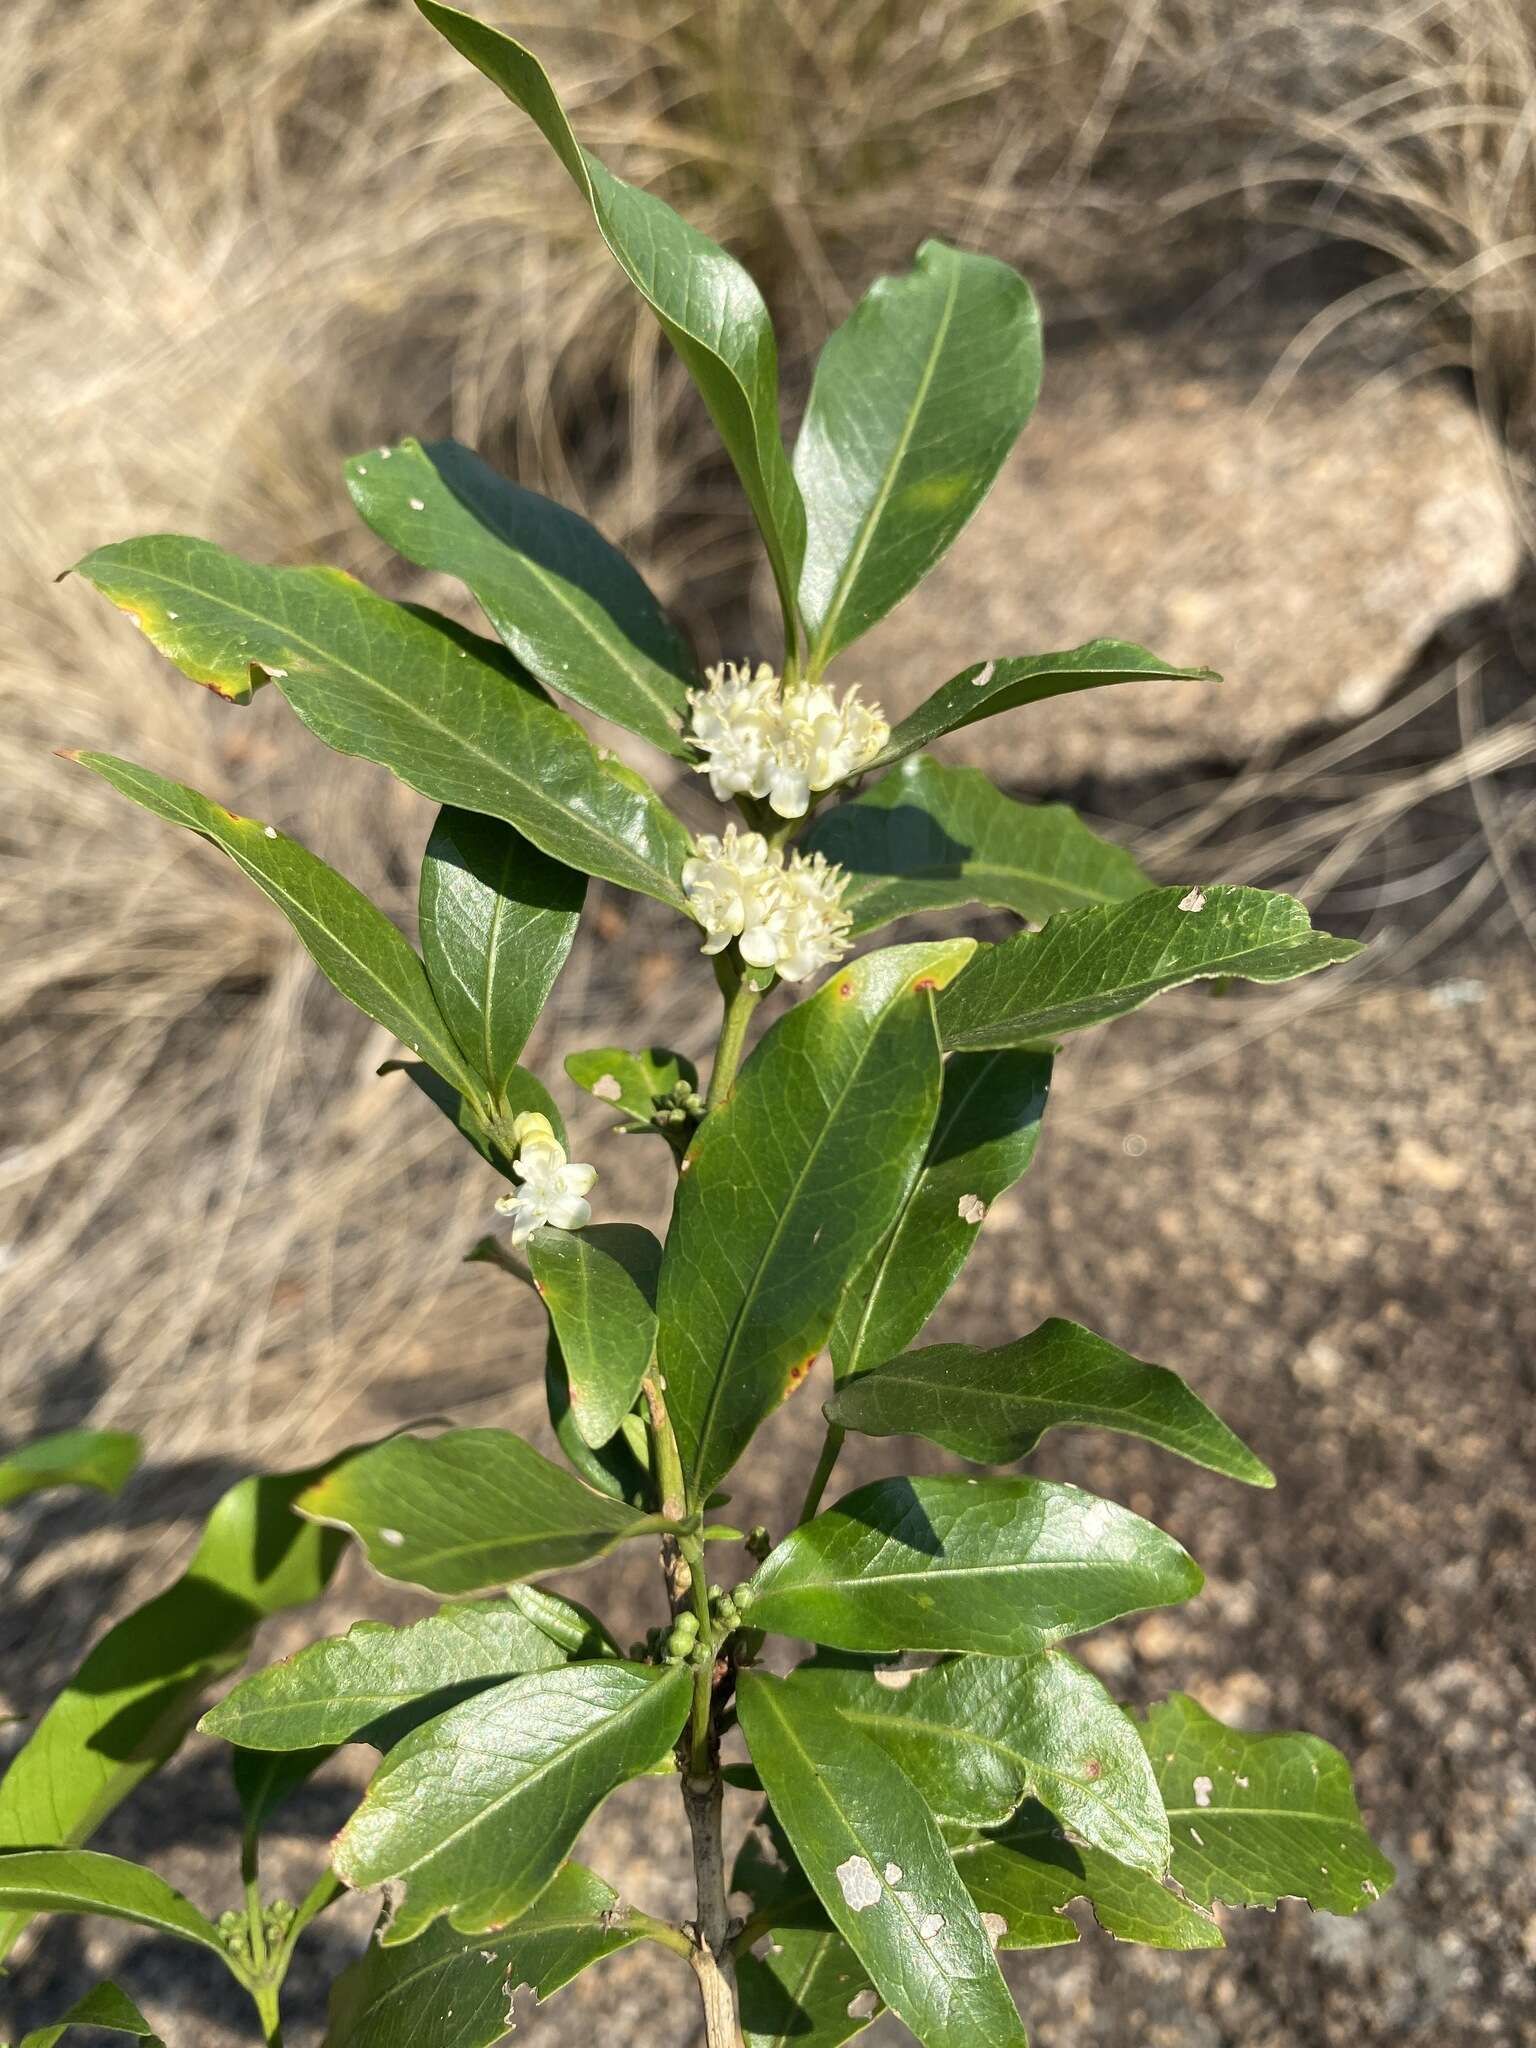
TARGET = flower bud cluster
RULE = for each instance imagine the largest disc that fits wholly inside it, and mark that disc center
(553, 1189)
(785, 915)
(785, 742)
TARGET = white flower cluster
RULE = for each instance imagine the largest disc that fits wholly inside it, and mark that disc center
(787, 916)
(553, 1189)
(763, 739)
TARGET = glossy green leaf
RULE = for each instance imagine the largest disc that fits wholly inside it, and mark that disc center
(83, 1881)
(994, 1406)
(917, 399)
(567, 604)
(137, 1693)
(880, 1867)
(988, 687)
(99, 1458)
(475, 1811)
(497, 920)
(104, 2007)
(1003, 1566)
(520, 1090)
(1258, 1818)
(1087, 966)
(613, 1468)
(983, 1141)
(266, 1779)
(708, 307)
(979, 1735)
(808, 1990)
(929, 836)
(1024, 1875)
(343, 1688)
(447, 711)
(450, 1990)
(632, 1082)
(599, 1285)
(789, 1186)
(467, 1510)
(767, 1868)
(349, 939)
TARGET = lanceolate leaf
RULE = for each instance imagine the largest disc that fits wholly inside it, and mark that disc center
(917, 399)
(788, 1188)
(880, 1867)
(343, 1688)
(452, 1990)
(929, 836)
(82, 1881)
(99, 1458)
(520, 1090)
(497, 920)
(1003, 1566)
(104, 2007)
(994, 1406)
(132, 1700)
(1090, 965)
(988, 687)
(567, 604)
(477, 1809)
(613, 1468)
(349, 939)
(449, 712)
(983, 1141)
(1257, 1818)
(467, 1510)
(809, 1991)
(599, 1285)
(1023, 1875)
(266, 1779)
(979, 1735)
(709, 309)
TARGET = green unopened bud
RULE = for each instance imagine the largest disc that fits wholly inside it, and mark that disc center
(744, 1596)
(759, 1543)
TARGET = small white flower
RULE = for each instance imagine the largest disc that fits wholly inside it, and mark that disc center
(786, 918)
(553, 1190)
(762, 740)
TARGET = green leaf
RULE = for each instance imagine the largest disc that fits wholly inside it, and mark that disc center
(880, 1867)
(83, 1881)
(1258, 1818)
(809, 1991)
(447, 711)
(476, 1810)
(568, 605)
(994, 1406)
(341, 1689)
(631, 1081)
(455, 1991)
(613, 1468)
(135, 1696)
(100, 1458)
(497, 920)
(988, 687)
(266, 1779)
(467, 1510)
(599, 1285)
(1090, 965)
(1024, 1875)
(787, 1189)
(929, 836)
(708, 307)
(1003, 1566)
(983, 1140)
(917, 399)
(349, 939)
(520, 1090)
(979, 1735)
(104, 2006)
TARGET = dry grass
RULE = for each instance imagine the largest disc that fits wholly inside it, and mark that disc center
(286, 230)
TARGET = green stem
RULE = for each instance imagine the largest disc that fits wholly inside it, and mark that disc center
(831, 1445)
(741, 999)
(660, 1932)
(267, 2012)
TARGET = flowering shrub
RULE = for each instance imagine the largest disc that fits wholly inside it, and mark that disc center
(938, 1778)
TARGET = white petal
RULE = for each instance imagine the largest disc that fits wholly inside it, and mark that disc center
(569, 1212)
(577, 1179)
